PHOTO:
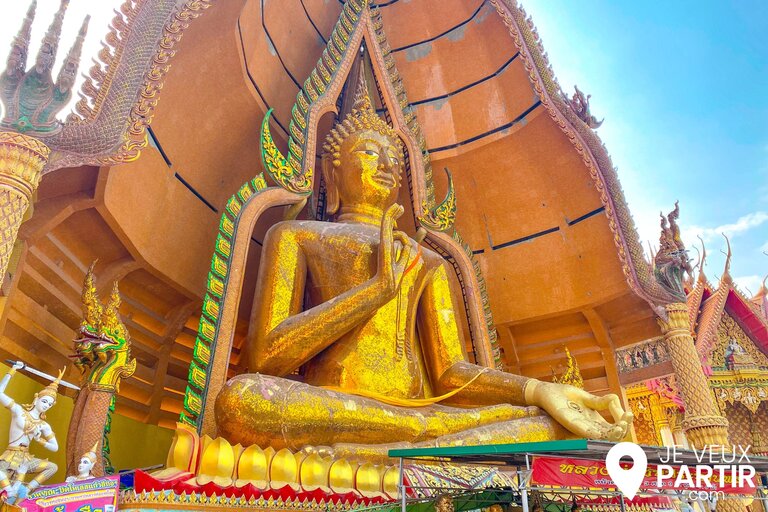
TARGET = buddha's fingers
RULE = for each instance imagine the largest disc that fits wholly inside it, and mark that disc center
(387, 245)
(401, 237)
(599, 429)
(610, 402)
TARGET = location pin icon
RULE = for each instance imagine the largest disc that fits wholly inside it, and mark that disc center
(627, 480)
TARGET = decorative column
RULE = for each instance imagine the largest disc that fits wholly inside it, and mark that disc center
(22, 159)
(703, 424)
(660, 421)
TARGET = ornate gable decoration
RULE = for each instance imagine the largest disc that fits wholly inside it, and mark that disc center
(735, 350)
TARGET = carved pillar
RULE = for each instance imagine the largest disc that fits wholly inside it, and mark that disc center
(660, 420)
(703, 424)
(21, 164)
(92, 409)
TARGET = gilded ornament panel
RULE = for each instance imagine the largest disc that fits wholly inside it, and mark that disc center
(733, 342)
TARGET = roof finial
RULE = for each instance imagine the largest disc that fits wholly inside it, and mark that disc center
(727, 270)
(698, 257)
(703, 262)
(362, 99)
(762, 291)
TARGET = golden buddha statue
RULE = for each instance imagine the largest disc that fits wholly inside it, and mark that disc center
(368, 315)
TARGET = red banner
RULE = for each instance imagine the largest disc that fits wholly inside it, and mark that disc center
(565, 472)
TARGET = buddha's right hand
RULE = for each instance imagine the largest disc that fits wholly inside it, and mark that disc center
(391, 265)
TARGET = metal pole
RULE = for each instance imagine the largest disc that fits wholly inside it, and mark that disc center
(621, 502)
(763, 480)
(523, 484)
(524, 497)
(402, 486)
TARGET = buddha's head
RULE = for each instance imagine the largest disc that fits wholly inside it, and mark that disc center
(362, 161)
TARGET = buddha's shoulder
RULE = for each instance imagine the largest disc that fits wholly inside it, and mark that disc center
(432, 259)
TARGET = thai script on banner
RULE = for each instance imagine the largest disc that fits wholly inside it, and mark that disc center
(93, 495)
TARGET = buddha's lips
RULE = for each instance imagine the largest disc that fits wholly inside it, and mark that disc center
(386, 179)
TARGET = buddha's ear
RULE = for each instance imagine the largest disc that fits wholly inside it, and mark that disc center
(331, 192)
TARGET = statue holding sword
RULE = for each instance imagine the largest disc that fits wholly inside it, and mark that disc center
(27, 424)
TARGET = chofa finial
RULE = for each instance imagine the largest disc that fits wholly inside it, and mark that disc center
(579, 103)
(728, 255)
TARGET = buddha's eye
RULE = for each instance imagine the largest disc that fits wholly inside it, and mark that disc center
(369, 152)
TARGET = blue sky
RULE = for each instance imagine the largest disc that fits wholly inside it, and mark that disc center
(683, 87)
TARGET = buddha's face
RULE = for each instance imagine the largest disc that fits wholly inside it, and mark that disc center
(84, 466)
(369, 169)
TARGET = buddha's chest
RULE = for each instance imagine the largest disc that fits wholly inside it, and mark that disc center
(381, 353)
(341, 260)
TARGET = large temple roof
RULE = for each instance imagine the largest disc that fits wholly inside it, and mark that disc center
(538, 201)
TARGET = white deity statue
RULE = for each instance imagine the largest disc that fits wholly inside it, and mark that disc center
(85, 466)
(27, 424)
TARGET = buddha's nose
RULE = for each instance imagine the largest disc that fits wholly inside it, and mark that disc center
(385, 162)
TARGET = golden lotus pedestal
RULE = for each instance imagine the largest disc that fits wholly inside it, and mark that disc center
(204, 474)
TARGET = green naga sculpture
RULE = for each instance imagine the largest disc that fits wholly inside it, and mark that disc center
(103, 356)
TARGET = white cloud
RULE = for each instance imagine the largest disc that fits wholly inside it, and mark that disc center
(742, 225)
(749, 284)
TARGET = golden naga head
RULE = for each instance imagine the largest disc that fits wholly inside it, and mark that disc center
(362, 159)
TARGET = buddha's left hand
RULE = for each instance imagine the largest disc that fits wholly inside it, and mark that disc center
(577, 410)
